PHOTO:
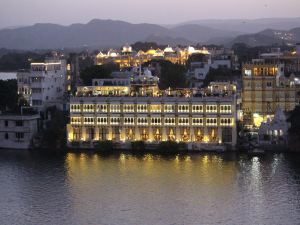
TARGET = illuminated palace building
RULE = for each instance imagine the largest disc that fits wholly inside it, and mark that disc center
(141, 112)
(265, 89)
(129, 58)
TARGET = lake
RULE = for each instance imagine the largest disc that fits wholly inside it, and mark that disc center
(123, 188)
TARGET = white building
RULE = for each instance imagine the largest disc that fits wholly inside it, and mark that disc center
(45, 84)
(274, 130)
(198, 72)
(17, 131)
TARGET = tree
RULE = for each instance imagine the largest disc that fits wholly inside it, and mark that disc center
(14, 61)
(8, 95)
(220, 74)
(294, 131)
(97, 72)
(54, 136)
(145, 46)
(171, 75)
(199, 57)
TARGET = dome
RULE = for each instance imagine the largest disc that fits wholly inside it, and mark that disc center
(112, 53)
(191, 50)
(127, 48)
(168, 50)
(100, 55)
(151, 52)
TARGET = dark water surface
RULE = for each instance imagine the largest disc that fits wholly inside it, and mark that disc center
(77, 188)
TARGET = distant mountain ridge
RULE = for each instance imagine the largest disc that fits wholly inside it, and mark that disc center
(248, 25)
(269, 37)
(114, 33)
(104, 33)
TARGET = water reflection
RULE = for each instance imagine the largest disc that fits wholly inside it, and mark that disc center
(123, 188)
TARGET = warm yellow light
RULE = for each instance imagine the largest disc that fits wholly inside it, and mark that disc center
(257, 119)
(206, 139)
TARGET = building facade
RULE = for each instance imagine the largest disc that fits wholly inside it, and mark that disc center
(129, 58)
(153, 119)
(45, 84)
(17, 131)
(265, 89)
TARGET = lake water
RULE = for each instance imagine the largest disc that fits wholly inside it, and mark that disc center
(121, 188)
(8, 75)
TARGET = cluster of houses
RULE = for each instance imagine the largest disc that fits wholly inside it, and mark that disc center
(130, 106)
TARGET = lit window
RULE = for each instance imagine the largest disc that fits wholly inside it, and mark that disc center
(169, 108)
(197, 108)
(183, 108)
(183, 121)
(155, 108)
(169, 121)
(211, 109)
(211, 122)
(155, 121)
(197, 121)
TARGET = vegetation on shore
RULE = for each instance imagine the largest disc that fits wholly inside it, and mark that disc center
(294, 131)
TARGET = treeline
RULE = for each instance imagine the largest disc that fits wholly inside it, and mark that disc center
(13, 61)
(10, 100)
(246, 53)
(294, 131)
(144, 46)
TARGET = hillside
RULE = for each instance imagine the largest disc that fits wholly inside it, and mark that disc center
(269, 37)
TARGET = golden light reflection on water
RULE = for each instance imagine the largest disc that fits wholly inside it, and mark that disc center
(207, 169)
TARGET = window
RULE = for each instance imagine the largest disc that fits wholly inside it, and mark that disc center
(142, 121)
(183, 121)
(169, 121)
(226, 122)
(129, 121)
(6, 123)
(6, 136)
(142, 108)
(248, 73)
(88, 120)
(19, 135)
(102, 120)
(211, 122)
(75, 120)
(115, 108)
(169, 108)
(197, 121)
(19, 123)
(197, 108)
(183, 108)
(156, 121)
(225, 109)
(75, 108)
(128, 108)
(102, 108)
(88, 108)
(115, 120)
(155, 108)
(211, 108)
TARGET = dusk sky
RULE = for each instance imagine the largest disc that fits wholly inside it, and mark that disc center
(27, 12)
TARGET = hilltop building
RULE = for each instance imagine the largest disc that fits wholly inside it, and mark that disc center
(129, 58)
